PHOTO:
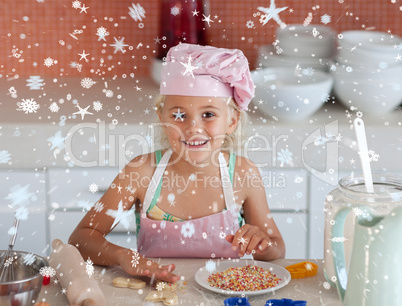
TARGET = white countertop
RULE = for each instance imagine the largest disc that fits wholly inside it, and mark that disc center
(31, 139)
(311, 289)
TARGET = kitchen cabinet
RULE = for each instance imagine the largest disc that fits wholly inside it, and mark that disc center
(286, 192)
(24, 192)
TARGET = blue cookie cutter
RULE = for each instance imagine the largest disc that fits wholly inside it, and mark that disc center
(285, 302)
(237, 301)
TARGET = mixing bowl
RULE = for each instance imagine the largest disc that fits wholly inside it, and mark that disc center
(24, 290)
(375, 92)
(290, 94)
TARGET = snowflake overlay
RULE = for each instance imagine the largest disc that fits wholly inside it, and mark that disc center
(135, 259)
(28, 106)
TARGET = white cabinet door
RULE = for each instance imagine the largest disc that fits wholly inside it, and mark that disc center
(293, 228)
(318, 191)
(65, 222)
(286, 189)
(24, 193)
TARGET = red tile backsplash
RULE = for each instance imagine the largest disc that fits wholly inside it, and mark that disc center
(59, 37)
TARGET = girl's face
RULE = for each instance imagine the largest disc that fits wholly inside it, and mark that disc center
(196, 126)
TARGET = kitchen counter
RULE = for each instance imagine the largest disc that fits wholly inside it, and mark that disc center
(311, 289)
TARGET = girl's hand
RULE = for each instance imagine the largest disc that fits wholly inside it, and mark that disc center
(249, 239)
(135, 264)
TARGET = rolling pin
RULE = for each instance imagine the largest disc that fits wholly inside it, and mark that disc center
(71, 273)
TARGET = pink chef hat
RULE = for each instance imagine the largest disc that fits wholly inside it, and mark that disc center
(194, 70)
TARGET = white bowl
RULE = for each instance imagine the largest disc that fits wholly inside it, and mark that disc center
(375, 92)
(370, 40)
(369, 49)
(306, 41)
(288, 94)
(268, 58)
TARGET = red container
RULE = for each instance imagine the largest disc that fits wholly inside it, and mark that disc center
(181, 21)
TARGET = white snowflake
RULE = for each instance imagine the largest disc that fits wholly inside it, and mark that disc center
(47, 271)
(22, 213)
(125, 217)
(8, 261)
(222, 235)
(308, 71)
(136, 11)
(87, 83)
(338, 239)
(135, 259)
(272, 12)
(28, 106)
(84, 204)
(357, 211)
(57, 141)
(49, 62)
(29, 259)
(13, 92)
(82, 111)
(179, 115)
(250, 24)
(34, 82)
(89, 268)
(325, 19)
(298, 179)
(119, 45)
(189, 67)
(93, 188)
(373, 156)
(285, 156)
(308, 19)
(326, 285)
(160, 286)
(54, 107)
(325, 97)
(102, 33)
(204, 235)
(171, 199)
(76, 4)
(19, 196)
(98, 207)
(5, 157)
(187, 230)
(210, 266)
(242, 240)
(108, 93)
(97, 106)
(175, 11)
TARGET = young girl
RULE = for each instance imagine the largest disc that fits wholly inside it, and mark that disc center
(191, 198)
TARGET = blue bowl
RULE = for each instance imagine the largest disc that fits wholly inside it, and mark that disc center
(237, 301)
(285, 302)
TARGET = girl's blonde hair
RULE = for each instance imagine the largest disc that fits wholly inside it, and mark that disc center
(232, 142)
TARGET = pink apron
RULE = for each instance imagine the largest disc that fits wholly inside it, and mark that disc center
(197, 238)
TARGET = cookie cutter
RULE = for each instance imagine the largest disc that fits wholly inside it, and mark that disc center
(302, 269)
(236, 301)
(285, 302)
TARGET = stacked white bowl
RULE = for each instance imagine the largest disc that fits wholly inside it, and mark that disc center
(368, 71)
(299, 46)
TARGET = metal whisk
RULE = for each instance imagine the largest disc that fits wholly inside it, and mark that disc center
(7, 264)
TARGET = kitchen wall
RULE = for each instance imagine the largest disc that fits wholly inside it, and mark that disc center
(51, 37)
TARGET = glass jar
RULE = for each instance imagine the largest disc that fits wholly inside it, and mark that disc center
(357, 205)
